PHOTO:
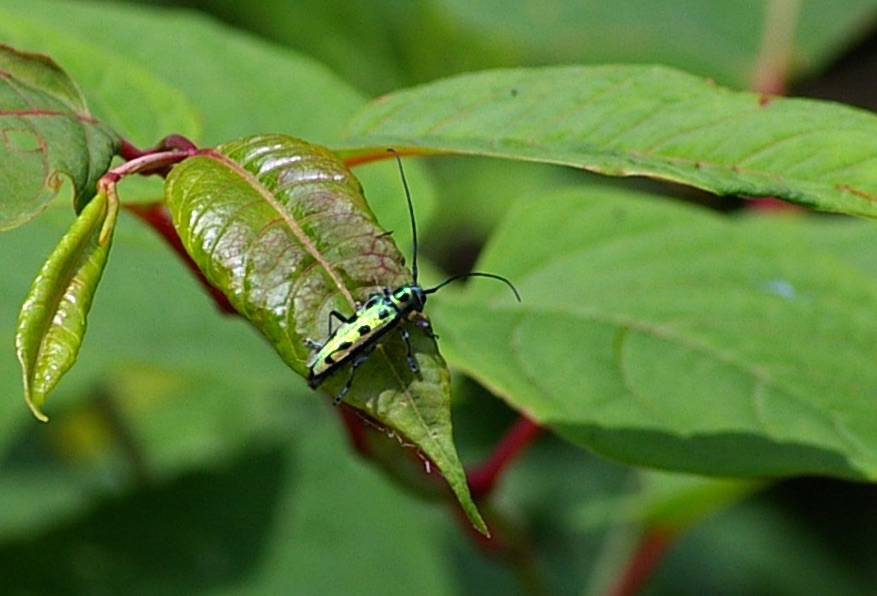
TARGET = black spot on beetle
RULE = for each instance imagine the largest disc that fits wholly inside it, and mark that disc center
(345, 345)
(364, 330)
(384, 314)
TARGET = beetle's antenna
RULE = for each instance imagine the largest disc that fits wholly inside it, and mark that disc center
(410, 214)
(474, 274)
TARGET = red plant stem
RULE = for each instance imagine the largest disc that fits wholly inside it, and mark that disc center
(156, 216)
(177, 143)
(483, 478)
(648, 554)
(772, 65)
(128, 151)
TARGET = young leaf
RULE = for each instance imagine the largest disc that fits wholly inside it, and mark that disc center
(52, 321)
(665, 336)
(46, 132)
(282, 227)
(642, 121)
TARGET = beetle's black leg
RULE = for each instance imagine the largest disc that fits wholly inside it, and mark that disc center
(412, 362)
(340, 317)
(424, 324)
(357, 362)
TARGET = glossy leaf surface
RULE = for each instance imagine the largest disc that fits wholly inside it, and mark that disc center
(282, 227)
(46, 134)
(53, 318)
(643, 121)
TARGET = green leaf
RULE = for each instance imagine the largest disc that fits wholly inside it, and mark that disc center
(47, 133)
(642, 121)
(52, 321)
(282, 227)
(663, 336)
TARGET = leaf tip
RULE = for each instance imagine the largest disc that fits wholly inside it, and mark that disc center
(38, 414)
(479, 525)
(470, 509)
(33, 402)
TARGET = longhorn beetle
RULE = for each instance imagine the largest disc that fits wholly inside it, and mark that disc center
(358, 335)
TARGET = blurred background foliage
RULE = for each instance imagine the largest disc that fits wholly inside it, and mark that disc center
(183, 457)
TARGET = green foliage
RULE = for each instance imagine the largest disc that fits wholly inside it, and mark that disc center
(643, 121)
(608, 351)
(652, 333)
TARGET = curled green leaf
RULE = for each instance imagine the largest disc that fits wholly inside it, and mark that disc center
(52, 321)
(281, 226)
(46, 134)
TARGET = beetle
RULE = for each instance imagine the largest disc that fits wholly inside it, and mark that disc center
(357, 335)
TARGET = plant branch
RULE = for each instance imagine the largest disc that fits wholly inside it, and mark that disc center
(777, 42)
(484, 477)
(642, 564)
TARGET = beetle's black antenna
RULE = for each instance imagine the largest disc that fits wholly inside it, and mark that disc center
(414, 243)
(475, 274)
(410, 214)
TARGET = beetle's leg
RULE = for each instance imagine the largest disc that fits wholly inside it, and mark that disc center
(357, 362)
(423, 322)
(412, 362)
(315, 345)
(341, 318)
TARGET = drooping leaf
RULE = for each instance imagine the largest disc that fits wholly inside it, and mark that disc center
(642, 121)
(53, 318)
(665, 336)
(282, 227)
(46, 133)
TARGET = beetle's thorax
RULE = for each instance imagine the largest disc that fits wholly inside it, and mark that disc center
(407, 299)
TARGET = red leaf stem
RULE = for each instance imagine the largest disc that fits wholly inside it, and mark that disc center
(483, 478)
(639, 569)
